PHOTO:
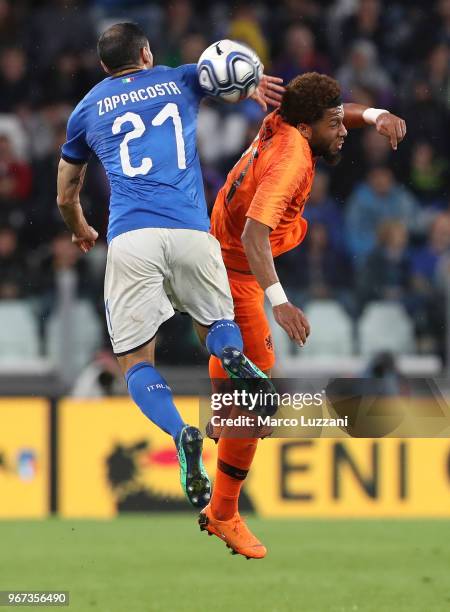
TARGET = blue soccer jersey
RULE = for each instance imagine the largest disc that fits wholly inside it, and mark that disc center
(142, 127)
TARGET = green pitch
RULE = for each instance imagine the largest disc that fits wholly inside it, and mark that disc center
(163, 563)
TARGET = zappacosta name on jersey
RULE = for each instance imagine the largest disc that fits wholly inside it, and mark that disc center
(136, 95)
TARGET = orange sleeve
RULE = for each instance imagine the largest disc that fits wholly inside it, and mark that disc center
(280, 180)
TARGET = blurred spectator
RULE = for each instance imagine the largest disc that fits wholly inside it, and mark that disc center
(442, 271)
(13, 127)
(315, 269)
(426, 98)
(365, 24)
(430, 25)
(56, 25)
(383, 369)
(376, 149)
(429, 178)
(361, 95)
(426, 118)
(300, 54)
(62, 274)
(377, 199)
(43, 125)
(192, 46)
(439, 73)
(246, 28)
(13, 269)
(426, 259)
(9, 30)
(363, 70)
(180, 21)
(322, 208)
(212, 181)
(309, 10)
(16, 84)
(363, 149)
(15, 184)
(118, 8)
(117, 5)
(221, 135)
(442, 276)
(101, 378)
(148, 15)
(443, 21)
(427, 263)
(287, 12)
(44, 215)
(66, 80)
(386, 275)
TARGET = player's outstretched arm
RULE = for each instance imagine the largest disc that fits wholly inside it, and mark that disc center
(269, 92)
(70, 182)
(256, 243)
(386, 123)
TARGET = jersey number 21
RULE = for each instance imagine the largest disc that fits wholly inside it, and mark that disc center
(170, 111)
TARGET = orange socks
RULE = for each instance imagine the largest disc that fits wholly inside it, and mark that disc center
(235, 457)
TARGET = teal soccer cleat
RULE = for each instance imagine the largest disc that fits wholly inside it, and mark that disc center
(237, 365)
(193, 477)
(246, 376)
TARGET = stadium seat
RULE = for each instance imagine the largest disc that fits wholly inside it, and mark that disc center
(19, 338)
(331, 330)
(73, 338)
(385, 326)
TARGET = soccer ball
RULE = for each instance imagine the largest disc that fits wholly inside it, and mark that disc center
(229, 70)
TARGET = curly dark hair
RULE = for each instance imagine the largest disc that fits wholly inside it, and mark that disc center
(307, 97)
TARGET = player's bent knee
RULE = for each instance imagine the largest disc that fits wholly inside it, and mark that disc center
(223, 334)
(132, 358)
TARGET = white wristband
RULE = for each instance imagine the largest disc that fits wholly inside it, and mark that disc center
(276, 295)
(370, 115)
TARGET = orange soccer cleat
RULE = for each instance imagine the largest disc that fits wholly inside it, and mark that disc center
(234, 533)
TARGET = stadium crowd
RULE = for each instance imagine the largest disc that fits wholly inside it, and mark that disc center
(379, 222)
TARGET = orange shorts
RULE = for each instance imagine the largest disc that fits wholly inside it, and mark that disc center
(248, 298)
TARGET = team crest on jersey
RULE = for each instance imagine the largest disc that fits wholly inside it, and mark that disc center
(269, 343)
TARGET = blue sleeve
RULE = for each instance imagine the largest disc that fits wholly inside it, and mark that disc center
(76, 150)
(190, 77)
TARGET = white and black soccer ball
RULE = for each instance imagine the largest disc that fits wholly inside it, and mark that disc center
(229, 70)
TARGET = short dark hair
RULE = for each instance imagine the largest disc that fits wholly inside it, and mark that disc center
(307, 97)
(119, 46)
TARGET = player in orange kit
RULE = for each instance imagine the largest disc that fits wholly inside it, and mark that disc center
(256, 217)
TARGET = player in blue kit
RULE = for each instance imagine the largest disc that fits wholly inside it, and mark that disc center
(140, 121)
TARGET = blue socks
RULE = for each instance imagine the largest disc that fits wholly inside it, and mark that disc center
(222, 334)
(152, 394)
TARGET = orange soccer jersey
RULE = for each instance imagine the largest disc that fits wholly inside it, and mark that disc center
(270, 183)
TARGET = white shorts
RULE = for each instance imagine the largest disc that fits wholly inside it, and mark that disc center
(151, 271)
